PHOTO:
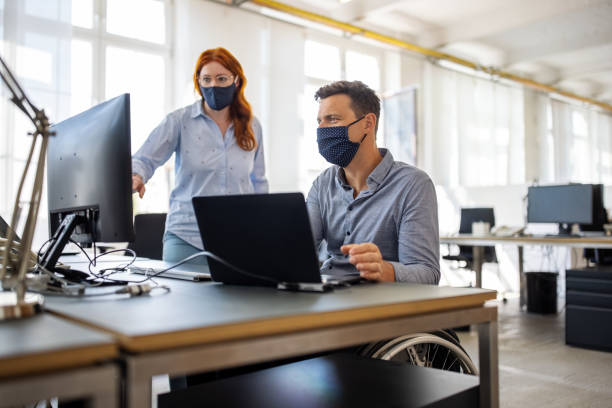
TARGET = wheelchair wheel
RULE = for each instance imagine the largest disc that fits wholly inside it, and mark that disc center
(425, 350)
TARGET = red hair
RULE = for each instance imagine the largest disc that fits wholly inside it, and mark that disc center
(240, 109)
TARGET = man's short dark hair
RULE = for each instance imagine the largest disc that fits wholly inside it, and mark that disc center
(363, 98)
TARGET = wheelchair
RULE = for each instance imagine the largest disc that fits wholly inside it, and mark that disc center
(439, 349)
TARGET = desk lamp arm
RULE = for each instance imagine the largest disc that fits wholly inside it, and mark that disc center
(18, 306)
(19, 99)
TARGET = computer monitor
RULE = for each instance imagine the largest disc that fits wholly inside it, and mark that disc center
(566, 205)
(600, 214)
(89, 171)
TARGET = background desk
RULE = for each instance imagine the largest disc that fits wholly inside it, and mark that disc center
(207, 326)
(44, 356)
(478, 242)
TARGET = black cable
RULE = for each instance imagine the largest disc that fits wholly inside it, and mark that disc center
(132, 290)
(150, 277)
(81, 248)
(62, 287)
(52, 274)
(100, 274)
(116, 269)
(105, 279)
(218, 259)
(40, 250)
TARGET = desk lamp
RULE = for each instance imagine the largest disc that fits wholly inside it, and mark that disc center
(16, 257)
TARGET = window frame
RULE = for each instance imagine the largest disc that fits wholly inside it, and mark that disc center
(100, 40)
(308, 173)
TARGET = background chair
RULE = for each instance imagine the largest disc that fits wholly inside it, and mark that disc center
(469, 216)
(149, 229)
(465, 256)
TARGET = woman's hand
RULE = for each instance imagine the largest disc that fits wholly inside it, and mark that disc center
(138, 186)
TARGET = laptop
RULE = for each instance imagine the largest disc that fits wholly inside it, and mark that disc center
(4, 230)
(186, 271)
(267, 236)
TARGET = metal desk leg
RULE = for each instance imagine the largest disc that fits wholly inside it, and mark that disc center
(489, 370)
(522, 279)
(98, 385)
(477, 258)
(138, 387)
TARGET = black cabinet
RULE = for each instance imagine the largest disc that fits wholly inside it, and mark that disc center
(333, 381)
(588, 315)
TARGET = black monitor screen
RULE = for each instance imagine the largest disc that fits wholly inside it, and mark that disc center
(471, 215)
(564, 204)
(89, 172)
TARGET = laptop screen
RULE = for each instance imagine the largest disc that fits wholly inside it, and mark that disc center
(4, 229)
(264, 234)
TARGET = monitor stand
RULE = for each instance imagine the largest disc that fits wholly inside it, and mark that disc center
(565, 229)
(59, 240)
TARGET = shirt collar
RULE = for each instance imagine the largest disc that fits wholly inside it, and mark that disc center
(377, 175)
(197, 109)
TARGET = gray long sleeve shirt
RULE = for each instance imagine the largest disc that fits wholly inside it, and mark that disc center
(398, 212)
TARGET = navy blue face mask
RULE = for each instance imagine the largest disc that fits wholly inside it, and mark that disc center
(218, 97)
(335, 145)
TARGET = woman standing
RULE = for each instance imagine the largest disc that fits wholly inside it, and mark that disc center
(218, 147)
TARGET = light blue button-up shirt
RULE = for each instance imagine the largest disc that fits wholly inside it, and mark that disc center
(398, 212)
(206, 164)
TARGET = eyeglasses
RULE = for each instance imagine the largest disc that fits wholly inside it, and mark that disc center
(219, 80)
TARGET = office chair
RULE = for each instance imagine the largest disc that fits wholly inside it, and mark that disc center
(469, 216)
(465, 256)
(598, 256)
(149, 229)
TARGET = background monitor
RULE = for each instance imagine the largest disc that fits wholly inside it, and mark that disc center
(566, 204)
(471, 215)
(89, 172)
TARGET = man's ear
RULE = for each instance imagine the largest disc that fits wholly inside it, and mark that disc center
(370, 121)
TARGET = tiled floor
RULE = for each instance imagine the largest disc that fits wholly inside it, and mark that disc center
(537, 368)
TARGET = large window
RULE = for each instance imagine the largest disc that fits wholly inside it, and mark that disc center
(601, 128)
(72, 54)
(582, 144)
(547, 159)
(123, 46)
(475, 130)
(324, 63)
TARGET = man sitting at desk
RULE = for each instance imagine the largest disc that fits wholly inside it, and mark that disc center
(378, 216)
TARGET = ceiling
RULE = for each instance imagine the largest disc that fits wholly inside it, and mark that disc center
(563, 43)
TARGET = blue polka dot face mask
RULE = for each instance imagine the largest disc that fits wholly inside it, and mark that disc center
(218, 97)
(335, 145)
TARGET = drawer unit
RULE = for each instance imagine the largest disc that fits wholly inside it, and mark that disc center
(588, 315)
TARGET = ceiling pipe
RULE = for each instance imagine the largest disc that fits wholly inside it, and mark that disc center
(352, 29)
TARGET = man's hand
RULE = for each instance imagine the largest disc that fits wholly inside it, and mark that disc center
(138, 185)
(368, 260)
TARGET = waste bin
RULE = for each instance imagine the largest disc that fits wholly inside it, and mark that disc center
(541, 292)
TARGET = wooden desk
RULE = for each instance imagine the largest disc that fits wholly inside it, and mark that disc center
(207, 326)
(44, 356)
(478, 242)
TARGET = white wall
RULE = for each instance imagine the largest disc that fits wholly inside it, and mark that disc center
(272, 56)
